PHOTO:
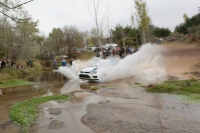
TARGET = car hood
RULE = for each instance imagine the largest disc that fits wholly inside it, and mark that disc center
(88, 69)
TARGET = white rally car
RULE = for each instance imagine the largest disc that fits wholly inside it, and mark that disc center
(91, 72)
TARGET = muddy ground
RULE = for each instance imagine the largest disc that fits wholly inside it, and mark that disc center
(121, 106)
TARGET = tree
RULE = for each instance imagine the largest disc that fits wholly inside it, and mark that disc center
(133, 26)
(183, 27)
(56, 36)
(9, 9)
(26, 34)
(73, 39)
(125, 35)
(142, 17)
(161, 32)
(97, 16)
(185, 17)
(13, 21)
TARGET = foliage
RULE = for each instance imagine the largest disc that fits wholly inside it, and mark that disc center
(161, 32)
(24, 113)
(16, 38)
(73, 39)
(184, 87)
(142, 17)
(181, 29)
(129, 35)
(12, 10)
(26, 34)
(189, 22)
(94, 38)
(15, 77)
(56, 37)
(195, 32)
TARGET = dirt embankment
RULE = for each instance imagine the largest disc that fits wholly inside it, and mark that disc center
(181, 60)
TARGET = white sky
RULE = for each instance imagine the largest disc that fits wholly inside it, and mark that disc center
(58, 13)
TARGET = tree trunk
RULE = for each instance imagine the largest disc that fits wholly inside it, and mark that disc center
(144, 39)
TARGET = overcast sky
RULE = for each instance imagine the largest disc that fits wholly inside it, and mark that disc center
(58, 13)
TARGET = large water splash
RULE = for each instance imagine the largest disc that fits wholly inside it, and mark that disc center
(71, 72)
(144, 65)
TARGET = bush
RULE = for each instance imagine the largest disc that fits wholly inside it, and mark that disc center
(46, 63)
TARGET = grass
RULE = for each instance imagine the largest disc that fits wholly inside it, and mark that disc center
(198, 65)
(190, 88)
(86, 55)
(14, 82)
(94, 88)
(24, 113)
(15, 77)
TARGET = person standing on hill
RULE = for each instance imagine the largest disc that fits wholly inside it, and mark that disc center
(64, 62)
(31, 62)
(71, 62)
(55, 63)
(27, 62)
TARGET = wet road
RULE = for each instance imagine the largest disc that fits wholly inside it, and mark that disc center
(122, 91)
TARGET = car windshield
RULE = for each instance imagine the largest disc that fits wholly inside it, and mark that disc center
(98, 64)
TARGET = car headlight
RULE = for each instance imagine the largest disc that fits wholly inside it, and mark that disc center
(93, 71)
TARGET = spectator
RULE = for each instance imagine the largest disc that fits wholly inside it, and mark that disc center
(12, 63)
(64, 63)
(71, 62)
(18, 66)
(55, 63)
(3, 62)
(31, 62)
(27, 62)
(121, 52)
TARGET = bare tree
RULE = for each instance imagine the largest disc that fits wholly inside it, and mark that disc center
(97, 16)
(134, 26)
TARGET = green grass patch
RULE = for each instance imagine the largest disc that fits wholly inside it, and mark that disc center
(198, 65)
(190, 88)
(11, 77)
(94, 88)
(14, 82)
(24, 113)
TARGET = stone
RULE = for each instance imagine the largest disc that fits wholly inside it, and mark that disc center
(55, 124)
(54, 111)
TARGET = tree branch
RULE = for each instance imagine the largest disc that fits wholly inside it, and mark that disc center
(15, 6)
(14, 19)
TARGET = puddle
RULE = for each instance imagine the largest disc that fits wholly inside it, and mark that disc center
(122, 91)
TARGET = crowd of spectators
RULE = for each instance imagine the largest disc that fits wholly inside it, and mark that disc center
(11, 63)
(118, 51)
